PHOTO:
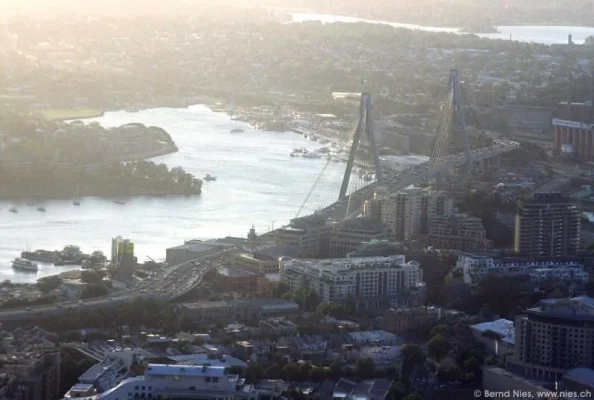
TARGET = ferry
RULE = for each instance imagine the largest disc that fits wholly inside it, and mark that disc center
(312, 154)
(24, 265)
(208, 177)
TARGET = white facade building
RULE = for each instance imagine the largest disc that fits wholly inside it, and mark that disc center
(338, 278)
(476, 266)
(183, 382)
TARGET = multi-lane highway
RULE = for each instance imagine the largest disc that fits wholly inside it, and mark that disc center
(177, 280)
(173, 282)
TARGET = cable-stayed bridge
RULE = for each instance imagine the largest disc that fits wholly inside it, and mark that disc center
(340, 190)
(344, 189)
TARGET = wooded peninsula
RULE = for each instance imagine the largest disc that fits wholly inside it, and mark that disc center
(48, 159)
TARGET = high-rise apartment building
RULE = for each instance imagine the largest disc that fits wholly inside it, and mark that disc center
(410, 211)
(434, 205)
(547, 226)
(553, 338)
(402, 210)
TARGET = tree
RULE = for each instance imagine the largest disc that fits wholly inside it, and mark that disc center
(365, 367)
(254, 372)
(317, 374)
(350, 305)
(49, 284)
(273, 372)
(280, 290)
(291, 372)
(92, 277)
(398, 391)
(93, 290)
(449, 373)
(438, 347)
(412, 355)
(471, 366)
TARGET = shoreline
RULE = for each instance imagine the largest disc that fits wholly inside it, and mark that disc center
(424, 24)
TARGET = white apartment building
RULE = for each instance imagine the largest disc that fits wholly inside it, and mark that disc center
(477, 265)
(183, 382)
(362, 278)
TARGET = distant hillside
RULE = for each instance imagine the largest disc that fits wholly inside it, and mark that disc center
(454, 13)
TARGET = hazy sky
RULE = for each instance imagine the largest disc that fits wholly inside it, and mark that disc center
(102, 6)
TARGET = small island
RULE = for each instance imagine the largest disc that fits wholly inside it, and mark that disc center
(46, 159)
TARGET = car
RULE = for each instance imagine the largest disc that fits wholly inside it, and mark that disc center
(59, 305)
(80, 302)
(28, 308)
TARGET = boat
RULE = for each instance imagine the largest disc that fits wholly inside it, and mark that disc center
(208, 177)
(24, 265)
(13, 209)
(312, 154)
(119, 201)
(41, 208)
(44, 256)
(236, 130)
(76, 202)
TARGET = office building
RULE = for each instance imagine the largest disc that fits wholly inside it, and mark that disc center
(308, 233)
(497, 336)
(350, 234)
(478, 264)
(574, 127)
(457, 232)
(513, 386)
(547, 226)
(372, 281)
(185, 382)
(553, 338)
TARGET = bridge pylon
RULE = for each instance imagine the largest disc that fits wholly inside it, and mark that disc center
(452, 122)
(364, 127)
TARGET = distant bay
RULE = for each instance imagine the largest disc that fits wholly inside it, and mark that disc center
(522, 33)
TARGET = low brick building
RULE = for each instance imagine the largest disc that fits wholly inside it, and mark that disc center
(234, 279)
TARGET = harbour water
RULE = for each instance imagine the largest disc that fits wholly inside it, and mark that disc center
(521, 33)
(257, 183)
